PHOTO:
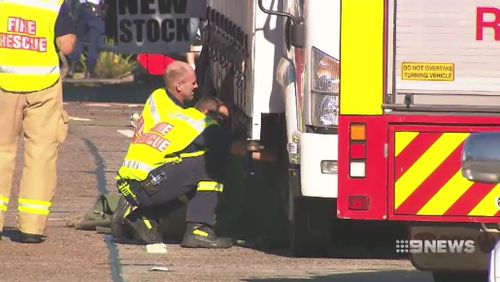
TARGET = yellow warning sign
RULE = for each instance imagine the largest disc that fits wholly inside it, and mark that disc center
(428, 71)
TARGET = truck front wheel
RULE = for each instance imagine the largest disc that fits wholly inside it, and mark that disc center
(310, 223)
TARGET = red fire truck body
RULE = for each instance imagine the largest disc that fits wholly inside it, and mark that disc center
(417, 77)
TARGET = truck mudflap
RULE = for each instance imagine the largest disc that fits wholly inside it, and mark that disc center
(448, 247)
(425, 180)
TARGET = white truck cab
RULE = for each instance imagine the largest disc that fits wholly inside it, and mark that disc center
(277, 64)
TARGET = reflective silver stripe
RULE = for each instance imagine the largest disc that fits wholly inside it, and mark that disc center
(33, 209)
(49, 5)
(209, 186)
(4, 202)
(34, 206)
(30, 70)
(137, 165)
(198, 125)
(153, 110)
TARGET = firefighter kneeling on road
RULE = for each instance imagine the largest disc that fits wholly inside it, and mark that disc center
(175, 153)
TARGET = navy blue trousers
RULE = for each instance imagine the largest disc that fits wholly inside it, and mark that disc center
(89, 28)
(182, 179)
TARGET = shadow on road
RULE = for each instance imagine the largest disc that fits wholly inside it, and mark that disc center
(379, 276)
(251, 211)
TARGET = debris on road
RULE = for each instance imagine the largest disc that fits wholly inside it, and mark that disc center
(158, 248)
(158, 268)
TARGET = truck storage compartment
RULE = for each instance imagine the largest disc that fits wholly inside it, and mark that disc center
(443, 53)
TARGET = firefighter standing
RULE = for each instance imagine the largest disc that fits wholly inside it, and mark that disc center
(168, 158)
(31, 100)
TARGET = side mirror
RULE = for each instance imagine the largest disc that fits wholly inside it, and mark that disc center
(295, 25)
(481, 157)
(297, 35)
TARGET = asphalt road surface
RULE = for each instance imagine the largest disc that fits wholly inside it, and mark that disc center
(88, 161)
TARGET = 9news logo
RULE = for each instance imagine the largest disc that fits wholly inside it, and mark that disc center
(435, 246)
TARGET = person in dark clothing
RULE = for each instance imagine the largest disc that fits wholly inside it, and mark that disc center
(90, 27)
(195, 179)
(176, 152)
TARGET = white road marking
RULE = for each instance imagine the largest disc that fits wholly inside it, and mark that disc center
(79, 119)
(98, 105)
(127, 132)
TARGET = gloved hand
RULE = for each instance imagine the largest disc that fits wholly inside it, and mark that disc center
(128, 193)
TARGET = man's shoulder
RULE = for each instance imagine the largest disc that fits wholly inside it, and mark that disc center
(161, 96)
(64, 23)
(159, 92)
(195, 111)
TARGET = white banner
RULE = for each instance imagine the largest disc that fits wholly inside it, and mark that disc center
(157, 26)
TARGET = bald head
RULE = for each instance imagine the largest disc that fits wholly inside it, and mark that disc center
(180, 81)
(175, 71)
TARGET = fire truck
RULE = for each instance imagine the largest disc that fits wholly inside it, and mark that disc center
(277, 69)
(417, 78)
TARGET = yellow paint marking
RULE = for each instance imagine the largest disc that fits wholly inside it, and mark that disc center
(425, 165)
(362, 57)
(403, 139)
(446, 196)
(488, 206)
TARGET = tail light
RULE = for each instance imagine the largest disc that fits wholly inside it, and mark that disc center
(357, 150)
(359, 203)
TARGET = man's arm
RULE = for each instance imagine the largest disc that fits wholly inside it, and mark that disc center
(217, 138)
(66, 43)
(240, 148)
(65, 31)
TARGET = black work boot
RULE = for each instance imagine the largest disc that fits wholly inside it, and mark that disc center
(118, 219)
(31, 238)
(143, 228)
(203, 236)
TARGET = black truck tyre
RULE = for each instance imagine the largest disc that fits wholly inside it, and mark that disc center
(310, 223)
(457, 276)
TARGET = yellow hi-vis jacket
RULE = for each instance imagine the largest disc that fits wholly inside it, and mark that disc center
(163, 132)
(28, 57)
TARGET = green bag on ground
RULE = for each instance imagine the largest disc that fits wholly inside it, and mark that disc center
(99, 216)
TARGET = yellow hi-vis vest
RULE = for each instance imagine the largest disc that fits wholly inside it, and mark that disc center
(28, 57)
(157, 108)
(163, 131)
